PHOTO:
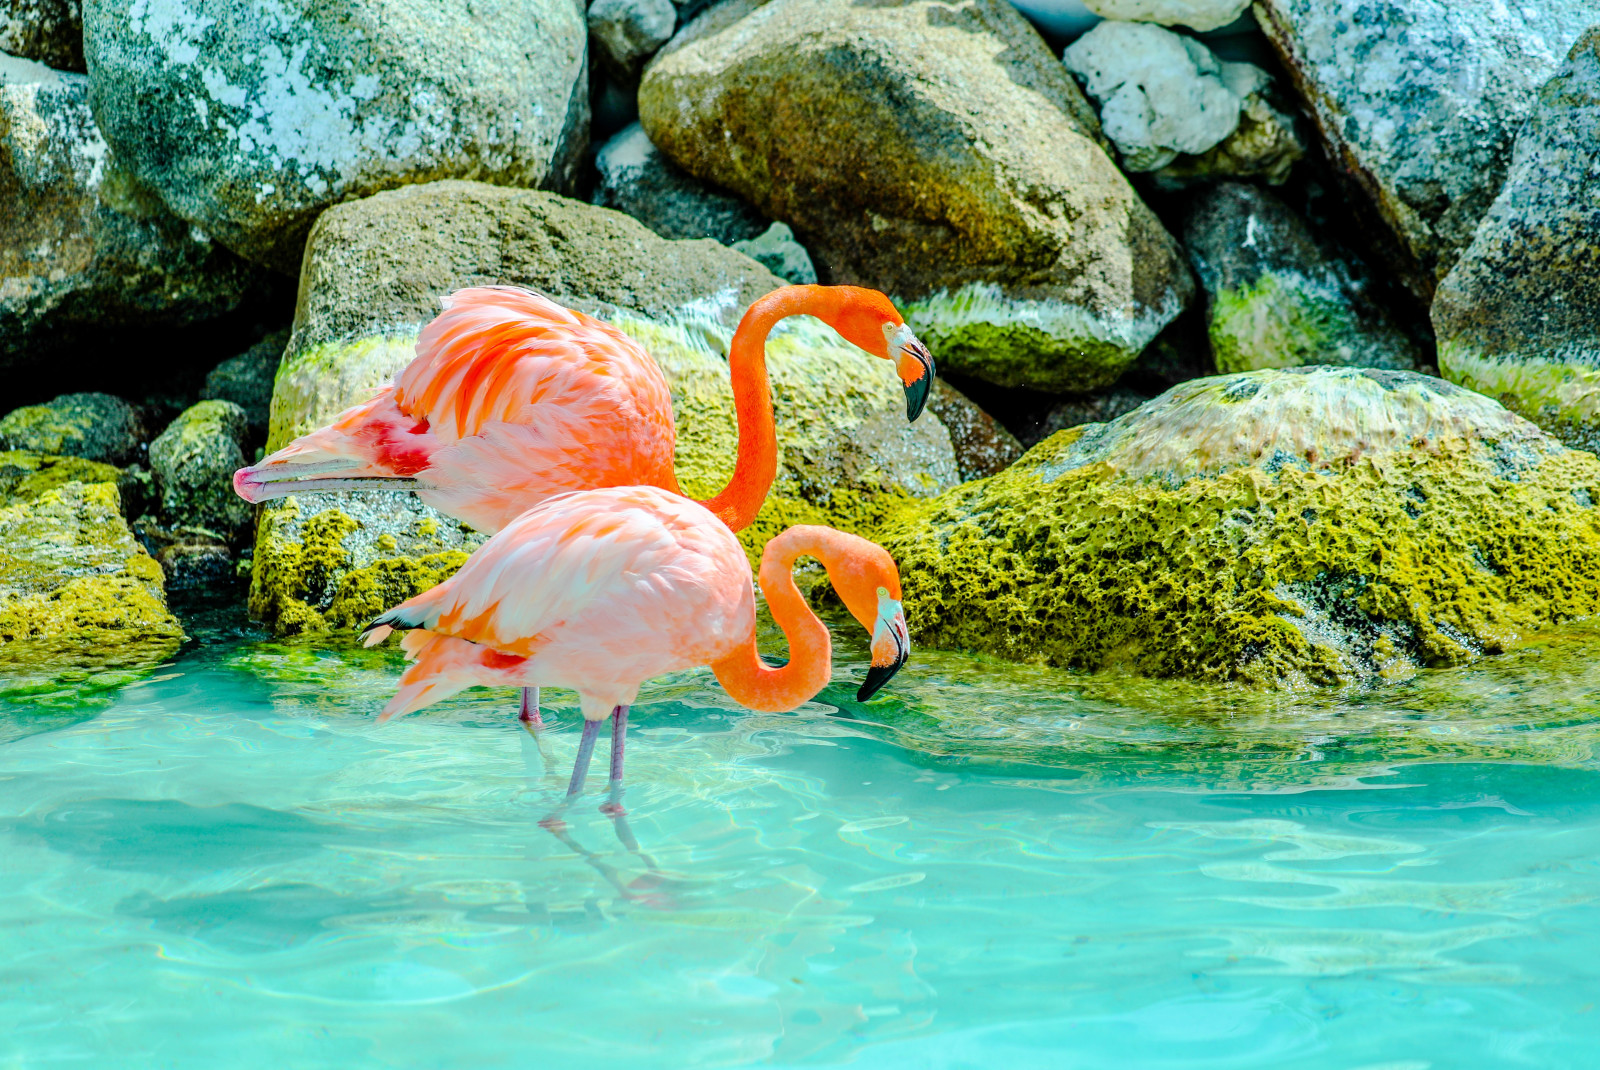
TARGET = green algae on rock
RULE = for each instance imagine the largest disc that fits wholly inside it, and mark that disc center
(76, 586)
(25, 475)
(96, 427)
(1282, 528)
(194, 460)
(1515, 317)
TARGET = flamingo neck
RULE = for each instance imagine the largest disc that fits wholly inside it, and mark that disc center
(757, 463)
(743, 674)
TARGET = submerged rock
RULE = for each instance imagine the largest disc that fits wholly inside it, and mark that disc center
(48, 31)
(1282, 528)
(1274, 299)
(1419, 103)
(83, 249)
(246, 380)
(75, 584)
(940, 154)
(96, 427)
(637, 179)
(1516, 317)
(248, 119)
(374, 273)
(1199, 15)
(194, 460)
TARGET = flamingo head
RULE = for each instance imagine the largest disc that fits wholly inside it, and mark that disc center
(868, 582)
(870, 320)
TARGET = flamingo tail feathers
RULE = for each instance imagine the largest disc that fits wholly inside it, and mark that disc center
(444, 666)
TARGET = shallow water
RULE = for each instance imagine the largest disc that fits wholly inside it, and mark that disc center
(229, 863)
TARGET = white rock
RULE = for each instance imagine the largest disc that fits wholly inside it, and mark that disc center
(1160, 93)
(1199, 15)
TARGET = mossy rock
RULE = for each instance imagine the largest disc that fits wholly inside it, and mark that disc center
(96, 427)
(25, 475)
(1282, 528)
(76, 586)
(194, 460)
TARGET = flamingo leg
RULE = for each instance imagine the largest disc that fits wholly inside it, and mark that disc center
(619, 738)
(529, 713)
(580, 765)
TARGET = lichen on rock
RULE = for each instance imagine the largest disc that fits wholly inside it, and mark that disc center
(1281, 528)
(25, 474)
(96, 427)
(194, 460)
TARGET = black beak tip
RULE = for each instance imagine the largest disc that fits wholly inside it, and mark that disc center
(877, 676)
(917, 396)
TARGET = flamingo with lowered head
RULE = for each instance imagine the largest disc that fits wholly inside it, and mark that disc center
(601, 590)
(513, 398)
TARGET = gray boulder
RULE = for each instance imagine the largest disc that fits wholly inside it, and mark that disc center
(1195, 14)
(777, 251)
(1420, 102)
(628, 33)
(1516, 316)
(246, 380)
(96, 427)
(194, 460)
(1274, 298)
(83, 249)
(939, 154)
(636, 178)
(249, 119)
(49, 31)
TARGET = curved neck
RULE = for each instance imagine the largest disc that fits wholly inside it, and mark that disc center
(757, 463)
(743, 674)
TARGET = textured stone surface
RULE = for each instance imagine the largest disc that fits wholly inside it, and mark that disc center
(194, 460)
(636, 178)
(1274, 299)
(1196, 14)
(24, 474)
(96, 427)
(82, 248)
(74, 582)
(777, 251)
(1022, 258)
(374, 272)
(48, 31)
(249, 118)
(982, 447)
(1419, 100)
(1320, 526)
(628, 32)
(1518, 318)
(1264, 146)
(246, 380)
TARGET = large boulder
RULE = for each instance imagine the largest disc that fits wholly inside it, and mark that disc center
(637, 179)
(83, 249)
(1315, 526)
(1274, 298)
(194, 460)
(96, 427)
(76, 585)
(1516, 317)
(1419, 102)
(374, 272)
(48, 31)
(248, 119)
(938, 153)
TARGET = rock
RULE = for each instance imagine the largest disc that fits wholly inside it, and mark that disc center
(1276, 300)
(83, 250)
(982, 446)
(1058, 20)
(1280, 528)
(48, 31)
(1022, 259)
(637, 179)
(1515, 317)
(1264, 145)
(74, 583)
(194, 460)
(779, 253)
(1419, 103)
(25, 475)
(374, 272)
(96, 427)
(1196, 14)
(1161, 94)
(628, 33)
(1087, 409)
(248, 119)
(200, 566)
(246, 380)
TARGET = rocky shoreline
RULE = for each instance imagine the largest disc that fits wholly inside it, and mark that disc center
(1192, 270)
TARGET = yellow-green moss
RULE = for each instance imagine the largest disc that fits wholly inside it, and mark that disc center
(25, 475)
(366, 592)
(1267, 568)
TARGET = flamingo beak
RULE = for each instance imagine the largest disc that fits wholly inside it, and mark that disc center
(915, 365)
(891, 647)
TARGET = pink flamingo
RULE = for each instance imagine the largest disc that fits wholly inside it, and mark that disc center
(600, 590)
(513, 398)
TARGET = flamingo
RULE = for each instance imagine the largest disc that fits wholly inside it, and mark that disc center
(601, 590)
(512, 398)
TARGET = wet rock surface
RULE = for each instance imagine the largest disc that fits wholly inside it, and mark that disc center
(194, 460)
(83, 248)
(1308, 527)
(1274, 299)
(636, 178)
(95, 427)
(1516, 317)
(1022, 260)
(1419, 103)
(249, 119)
(982, 446)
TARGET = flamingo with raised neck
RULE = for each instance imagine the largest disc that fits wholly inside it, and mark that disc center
(601, 590)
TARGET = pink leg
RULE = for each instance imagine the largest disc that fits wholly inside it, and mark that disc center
(529, 714)
(580, 766)
(619, 736)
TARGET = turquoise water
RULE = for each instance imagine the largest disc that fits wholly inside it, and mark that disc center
(229, 863)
